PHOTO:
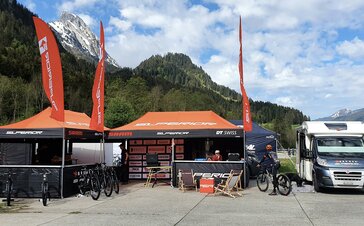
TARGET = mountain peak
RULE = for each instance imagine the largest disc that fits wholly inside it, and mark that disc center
(73, 20)
(66, 16)
(178, 68)
(341, 113)
(77, 38)
(345, 115)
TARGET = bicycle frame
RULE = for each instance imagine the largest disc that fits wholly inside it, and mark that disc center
(45, 189)
(9, 188)
(88, 182)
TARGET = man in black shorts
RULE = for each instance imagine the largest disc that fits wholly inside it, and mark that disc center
(268, 162)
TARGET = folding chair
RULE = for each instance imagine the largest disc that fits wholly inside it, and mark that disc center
(232, 185)
(186, 179)
(152, 164)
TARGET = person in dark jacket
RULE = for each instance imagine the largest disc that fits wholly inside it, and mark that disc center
(268, 162)
(125, 164)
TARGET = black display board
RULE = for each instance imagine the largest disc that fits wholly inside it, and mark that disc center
(218, 170)
(27, 181)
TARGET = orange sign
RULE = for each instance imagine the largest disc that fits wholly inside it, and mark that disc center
(51, 68)
(97, 118)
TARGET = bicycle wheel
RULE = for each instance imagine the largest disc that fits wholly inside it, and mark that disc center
(81, 185)
(284, 185)
(115, 183)
(94, 187)
(263, 182)
(108, 185)
(45, 193)
(8, 192)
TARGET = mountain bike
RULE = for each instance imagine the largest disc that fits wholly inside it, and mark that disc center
(45, 189)
(46, 196)
(105, 179)
(115, 179)
(9, 187)
(88, 181)
(265, 177)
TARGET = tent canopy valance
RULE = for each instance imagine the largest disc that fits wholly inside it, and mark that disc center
(181, 124)
(41, 125)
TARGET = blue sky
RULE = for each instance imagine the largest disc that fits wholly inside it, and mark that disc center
(303, 54)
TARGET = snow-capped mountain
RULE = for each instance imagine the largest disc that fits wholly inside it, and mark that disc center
(341, 113)
(77, 38)
(345, 115)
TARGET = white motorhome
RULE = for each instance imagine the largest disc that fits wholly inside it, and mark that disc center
(331, 153)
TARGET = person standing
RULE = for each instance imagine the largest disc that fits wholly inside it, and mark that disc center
(269, 163)
(125, 164)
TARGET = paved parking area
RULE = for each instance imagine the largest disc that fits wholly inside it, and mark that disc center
(163, 205)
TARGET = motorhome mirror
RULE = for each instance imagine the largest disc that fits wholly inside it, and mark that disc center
(308, 153)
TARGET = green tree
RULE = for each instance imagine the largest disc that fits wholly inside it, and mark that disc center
(136, 92)
(118, 112)
(174, 100)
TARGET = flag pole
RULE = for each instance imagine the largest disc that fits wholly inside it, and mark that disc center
(245, 158)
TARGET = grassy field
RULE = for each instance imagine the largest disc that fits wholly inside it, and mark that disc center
(288, 166)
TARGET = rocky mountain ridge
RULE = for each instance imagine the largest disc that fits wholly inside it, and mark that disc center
(77, 38)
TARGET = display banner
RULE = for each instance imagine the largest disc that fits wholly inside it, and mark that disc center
(157, 149)
(247, 119)
(52, 76)
(138, 150)
(147, 134)
(97, 117)
(149, 142)
(216, 170)
(30, 133)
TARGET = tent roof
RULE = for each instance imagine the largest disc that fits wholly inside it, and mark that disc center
(73, 120)
(41, 125)
(178, 120)
(191, 123)
(257, 129)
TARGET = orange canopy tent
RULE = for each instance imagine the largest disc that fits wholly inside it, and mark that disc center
(181, 124)
(18, 145)
(41, 125)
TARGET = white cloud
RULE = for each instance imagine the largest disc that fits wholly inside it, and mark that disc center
(74, 5)
(353, 49)
(285, 101)
(290, 49)
(295, 52)
(119, 24)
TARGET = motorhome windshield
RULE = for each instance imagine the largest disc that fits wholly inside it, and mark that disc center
(340, 146)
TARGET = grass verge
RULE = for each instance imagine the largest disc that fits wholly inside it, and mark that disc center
(287, 165)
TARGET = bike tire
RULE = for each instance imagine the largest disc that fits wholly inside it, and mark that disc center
(94, 187)
(45, 193)
(108, 187)
(8, 192)
(284, 185)
(116, 184)
(81, 186)
(262, 182)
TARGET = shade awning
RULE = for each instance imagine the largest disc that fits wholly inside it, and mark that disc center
(177, 124)
(41, 125)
